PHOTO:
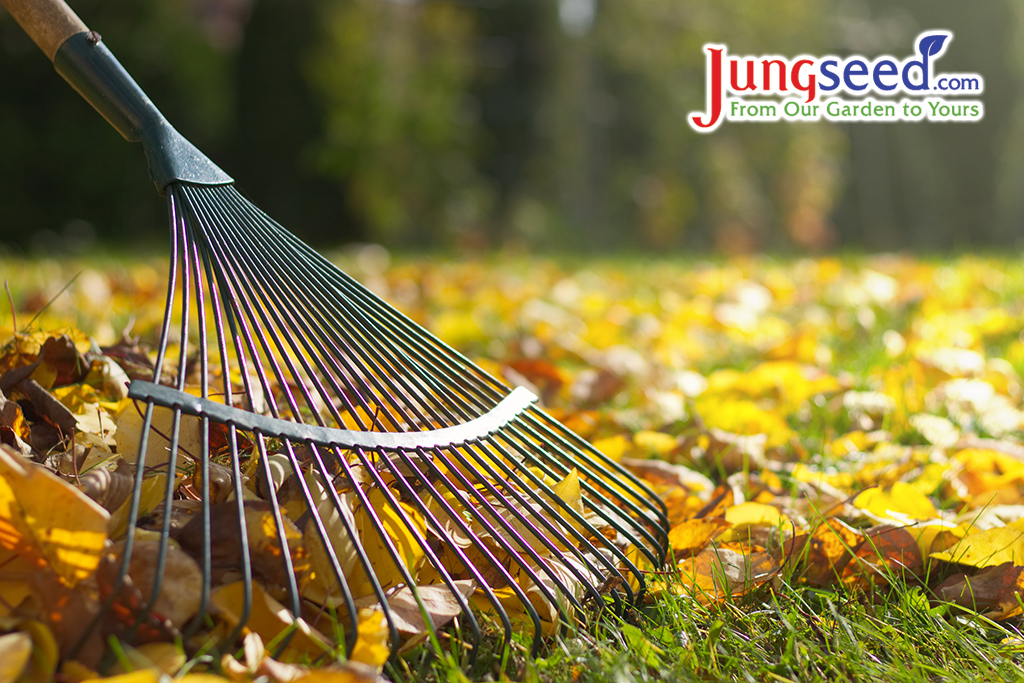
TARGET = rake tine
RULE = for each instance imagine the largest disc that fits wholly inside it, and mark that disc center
(451, 472)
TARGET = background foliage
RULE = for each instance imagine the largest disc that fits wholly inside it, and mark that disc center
(498, 123)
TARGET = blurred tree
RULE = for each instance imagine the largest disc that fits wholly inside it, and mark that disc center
(623, 168)
(280, 123)
(65, 175)
(936, 185)
(495, 122)
(400, 129)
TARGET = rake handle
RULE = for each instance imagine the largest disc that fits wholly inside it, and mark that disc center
(48, 22)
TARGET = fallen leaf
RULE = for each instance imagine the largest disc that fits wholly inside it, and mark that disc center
(268, 618)
(438, 600)
(15, 652)
(901, 502)
(887, 554)
(48, 522)
(371, 646)
(690, 537)
(994, 591)
(824, 553)
(719, 573)
(986, 548)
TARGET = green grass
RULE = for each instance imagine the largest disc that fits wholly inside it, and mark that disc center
(787, 634)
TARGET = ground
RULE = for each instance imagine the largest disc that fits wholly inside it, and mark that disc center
(838, 442)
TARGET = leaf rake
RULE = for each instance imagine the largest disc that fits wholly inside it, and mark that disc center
(383, 469)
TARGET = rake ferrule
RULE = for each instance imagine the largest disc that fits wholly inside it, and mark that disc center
(91, 69)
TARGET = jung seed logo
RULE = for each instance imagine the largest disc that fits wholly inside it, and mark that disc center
(809, 88)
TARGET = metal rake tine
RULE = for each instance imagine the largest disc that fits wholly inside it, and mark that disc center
(338, 331)
(286, 558)
(517, 477)
(204, 459)
(428, 551)
(282, 303)
(524, 547)
(589, 483)
(429, 483)
(412, 335)
(481, 462)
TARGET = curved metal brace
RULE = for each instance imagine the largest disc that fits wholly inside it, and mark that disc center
(493, 420)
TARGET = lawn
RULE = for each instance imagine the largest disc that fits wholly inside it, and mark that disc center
(839, 442)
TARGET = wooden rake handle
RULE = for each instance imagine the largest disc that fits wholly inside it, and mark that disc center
(48, 22)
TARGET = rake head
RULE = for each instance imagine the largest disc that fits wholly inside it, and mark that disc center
(340, 458)
(398, 475)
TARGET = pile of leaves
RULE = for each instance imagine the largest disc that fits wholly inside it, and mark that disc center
(849, 425)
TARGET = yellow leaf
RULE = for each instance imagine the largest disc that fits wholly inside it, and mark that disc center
(371, 646)
(76, 672)
(935, 534)
(128, 435)
(153, 489)
(901, 502)
(15, 572)
(744, 417)
(45, 655)
(987, 548)
(751, 514)
(15, 651)
(166, 658)
(409, 550)
(692, 535)
(568, 490)
(269, 619)
(140, 676)
(351, 673)
(657, 444)
(48, 522)
(613, 446)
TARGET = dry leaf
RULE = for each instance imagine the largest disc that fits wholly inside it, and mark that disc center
(987, 548)
(269, 619)
(690, 537)
(720, 573)
(440, 603)
(371, 646)
(993, 591)
(48, 522)
(15, 652)
(824, 553)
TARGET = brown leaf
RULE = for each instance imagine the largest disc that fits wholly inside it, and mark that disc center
(64, 359)
(721, 499)
(14, 430)
(109, 488)
(543, 375)
(440, 603)
(887, 552)
(992, 591)
(593, 388)
(181, 586)
(666, 473)
(825, 552)
(69, 613)
(720, 573)
(736, 452)
(11, 378)
(128, 616)
(48, 407)
(265, 552)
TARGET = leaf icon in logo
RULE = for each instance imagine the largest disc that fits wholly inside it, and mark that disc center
(931, 45)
